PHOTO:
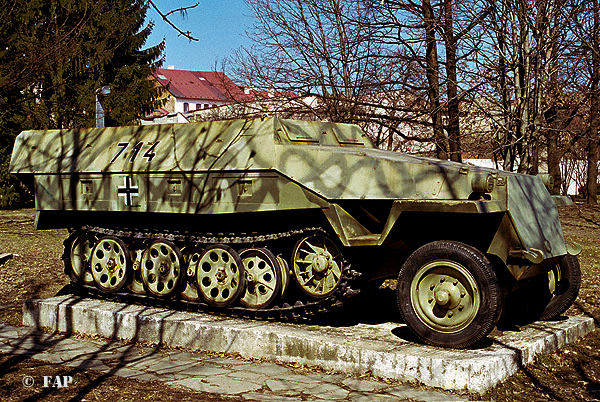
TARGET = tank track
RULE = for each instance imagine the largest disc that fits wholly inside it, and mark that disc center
(281, 311)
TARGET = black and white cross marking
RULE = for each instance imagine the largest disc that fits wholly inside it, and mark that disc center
(127, 191)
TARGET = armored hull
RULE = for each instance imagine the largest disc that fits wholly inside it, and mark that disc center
(270, 216)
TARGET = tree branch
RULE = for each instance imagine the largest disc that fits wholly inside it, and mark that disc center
(164, 16)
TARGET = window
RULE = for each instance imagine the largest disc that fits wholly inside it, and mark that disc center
(186, 107)
(206, 106)
(198, 106)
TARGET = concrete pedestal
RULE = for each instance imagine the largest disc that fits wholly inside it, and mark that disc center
(381, 349)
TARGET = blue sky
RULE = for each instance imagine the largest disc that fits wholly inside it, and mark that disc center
(218, 24)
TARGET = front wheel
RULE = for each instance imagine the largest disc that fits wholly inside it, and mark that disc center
(449, 294)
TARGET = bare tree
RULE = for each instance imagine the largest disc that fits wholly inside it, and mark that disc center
(410, 70)
(587, 31)
(316, 47)
(333, 52)
(592, 181)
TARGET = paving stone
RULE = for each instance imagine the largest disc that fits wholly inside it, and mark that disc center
(27, 351)
(68, 345)
(145, 377)
(371, 397)
(6, 348)
(128, 372)
(422, 395)
(182, 357)
(136, 364)
(165, 366)
(256, 396)
(233, 363)
(303, 379)
(269, 369)
(30, 345)
(220, 385)
(363, 385)
(51, 357)
(329, 392)
(71, 355)
(81, 355)
(89, 365)
(124, 351)
(201, 370)
(9, 332)
(196, 384)
(277, 385)
(234, 386)
(249, 376)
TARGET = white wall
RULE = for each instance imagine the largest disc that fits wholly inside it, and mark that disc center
(571, 174)
(179, 104)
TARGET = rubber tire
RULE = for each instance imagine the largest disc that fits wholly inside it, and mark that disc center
(491, 295)
(569, 288)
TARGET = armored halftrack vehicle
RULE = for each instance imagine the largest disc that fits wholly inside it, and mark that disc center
(269, 217)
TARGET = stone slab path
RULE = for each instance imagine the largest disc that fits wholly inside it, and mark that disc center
(252, 380)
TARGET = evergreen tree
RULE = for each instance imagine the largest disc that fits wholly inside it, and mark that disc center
(54, 54)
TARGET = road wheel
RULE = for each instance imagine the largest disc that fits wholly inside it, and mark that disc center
(78, 254)
(317, 265)
(162, 268)
(220, 275)
(263, 278)
(448, 294)
(110, 264)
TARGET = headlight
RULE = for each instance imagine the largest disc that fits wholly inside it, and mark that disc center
(483, 182)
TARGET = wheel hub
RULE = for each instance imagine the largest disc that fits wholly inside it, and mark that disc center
(221, 276)
(111, 265)
(164, 268)
(447, 295)
(321, 263)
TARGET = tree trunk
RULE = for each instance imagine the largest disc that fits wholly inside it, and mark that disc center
(505, 135)
(452, 86)
(592, 155)
(432, 72)
(521, 82)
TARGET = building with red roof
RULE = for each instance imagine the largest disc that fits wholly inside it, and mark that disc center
(195, 90)
(191, 92)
